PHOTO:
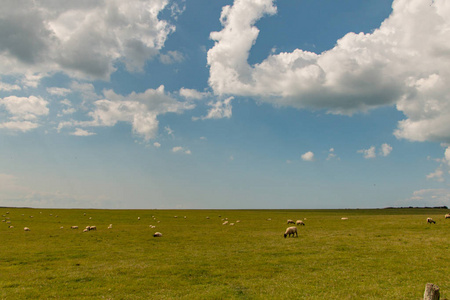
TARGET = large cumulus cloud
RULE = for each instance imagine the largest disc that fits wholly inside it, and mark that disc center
(81, 38)
(405, 62)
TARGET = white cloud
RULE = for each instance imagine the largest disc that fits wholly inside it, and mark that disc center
(406, 61)
(23, 126)
(156, 144)
(430, 197)
(9, 87)
(25, 107)
(139, 109)
(368, 153)
(82, 132)
(219, 109)
(193, 94)
(179, 149)
(436, 175)
(58, 91)
(332, 155)
(385, 149)
(308, 156)
(447, 156)
(80, 38)
(24, 112)
(168, 130)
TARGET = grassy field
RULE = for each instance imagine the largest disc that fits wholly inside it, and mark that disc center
(375, 254)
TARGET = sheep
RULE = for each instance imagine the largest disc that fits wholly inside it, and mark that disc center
(225, 223)
(290, 222)
(10, 226)
(85, 230)
(157, 234)
(26, 229)
(92, 227)
(447, 216)
(344, 218)
(110, 226)
(431, 221)
(74, 227)
(291, 230)
(300, 222)
(139, 218)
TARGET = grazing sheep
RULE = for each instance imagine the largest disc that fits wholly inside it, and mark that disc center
(74, 227)
(290, 222)
(139, 218)
(10, 226)
(92, 227)
(300, 222)
(62, 227)
(26, 229)
(110, 226)
(225, 223)
(447, 216)
(231, 224)
(85, 230)
(431, 221)
(157, 234)
(344, 218)
(291, 230)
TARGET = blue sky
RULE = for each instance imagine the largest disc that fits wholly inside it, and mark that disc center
(225, 104)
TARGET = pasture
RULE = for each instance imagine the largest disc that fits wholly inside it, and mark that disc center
(375, 254)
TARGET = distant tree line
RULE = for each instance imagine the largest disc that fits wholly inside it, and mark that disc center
(434, 207)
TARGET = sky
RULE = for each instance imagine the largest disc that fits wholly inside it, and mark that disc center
(245, 104)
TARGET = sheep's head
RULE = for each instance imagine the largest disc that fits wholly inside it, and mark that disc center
(285, 235)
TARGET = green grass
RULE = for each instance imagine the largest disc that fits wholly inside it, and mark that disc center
(375, 254)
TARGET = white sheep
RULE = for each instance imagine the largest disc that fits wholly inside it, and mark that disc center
(225, 223)
(26, 229)
(300, 222)
(431, 221)
(344, 218)
(447, 216)
(290, 221)
(74, 227)
(85, 230)
(157, 234)
(139, 218)
(92, 227)
(110, 226)
(291, 230)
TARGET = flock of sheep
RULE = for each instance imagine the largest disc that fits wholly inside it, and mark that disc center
(290, 231)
